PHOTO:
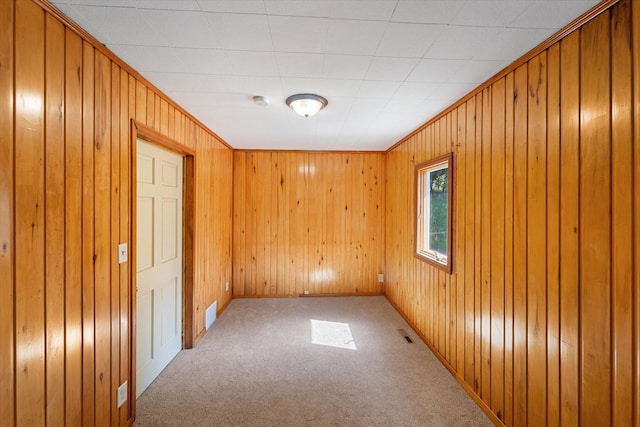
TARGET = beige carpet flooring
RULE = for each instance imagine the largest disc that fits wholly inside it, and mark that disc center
(258, 366)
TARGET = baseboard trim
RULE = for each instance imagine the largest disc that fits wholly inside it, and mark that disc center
(485, 408)
(354, 294)
(224, 307)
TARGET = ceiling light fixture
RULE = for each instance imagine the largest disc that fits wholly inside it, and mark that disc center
(306, 104)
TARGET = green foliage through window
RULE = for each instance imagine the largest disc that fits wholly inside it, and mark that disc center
(433, 214)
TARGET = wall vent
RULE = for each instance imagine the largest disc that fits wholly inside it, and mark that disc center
(210, 314)
(405, 335)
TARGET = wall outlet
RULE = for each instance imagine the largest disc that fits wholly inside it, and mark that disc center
(226, 287)
(306, 291)
(380, 278)
(122, 394)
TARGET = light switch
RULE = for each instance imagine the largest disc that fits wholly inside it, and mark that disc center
(122, 253)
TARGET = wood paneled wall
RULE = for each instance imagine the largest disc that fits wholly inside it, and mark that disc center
(307, 221)
(540, 318)
(65, 125)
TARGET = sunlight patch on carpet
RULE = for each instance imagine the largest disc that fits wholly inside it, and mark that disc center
(332, 334)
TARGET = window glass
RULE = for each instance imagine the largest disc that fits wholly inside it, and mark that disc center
(433, 213)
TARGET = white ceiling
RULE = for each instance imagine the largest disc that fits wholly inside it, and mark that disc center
(386, 66)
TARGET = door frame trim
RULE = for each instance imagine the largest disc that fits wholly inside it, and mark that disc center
(141, 131)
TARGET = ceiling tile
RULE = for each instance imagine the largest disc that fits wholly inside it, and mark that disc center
(203, 83)
(511, 43)
(179, 28)
(366, 106)
(119, 25)
(411, 91)
(300, 64)
(379, 10)
(450, 91)
(315, 8)
(377, 89)
(490, 13)
(354, 37)
(428, 12)
(245, 63)
(264, 86)
(110, 3)
(462, 42)
(393, 69)
(232, 6)
(323, 87)
(150, 58)
(408, 40)
(239, 31)
(345, 66)
(386, 66)
(476, 72)
(540, 15)
(167, 4)
(303, 35)
(434, 70)
(204, 61)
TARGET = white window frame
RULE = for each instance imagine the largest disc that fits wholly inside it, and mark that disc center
(422, 212)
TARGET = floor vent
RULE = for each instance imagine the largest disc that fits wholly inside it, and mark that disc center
(405, 335)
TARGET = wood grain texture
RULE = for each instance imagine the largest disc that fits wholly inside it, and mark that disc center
(635, 35)
(7, 225)
(569, 229)
(553, 235)
(595, 222)
(65, 309)
(536, 239)
(622, 197)
(307, 222)
(520, 112)
(497, 244)
(550, 266)
(30, 384)
(88, 230)
(73, 232)
(54, 219)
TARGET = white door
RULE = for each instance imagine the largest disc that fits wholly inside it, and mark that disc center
(159, 261)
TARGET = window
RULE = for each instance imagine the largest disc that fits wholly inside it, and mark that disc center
(433, 211)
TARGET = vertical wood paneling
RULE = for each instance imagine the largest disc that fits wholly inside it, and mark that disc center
(497, 247)
(553, 235)
(114, 313)
(7, 251)
(102, 223)
(536, 240)
(127, 97)
(54, 219)
(622, 197)
(548, 212)
(520, 247)
(485, 245)
(307, 221)
(569, 229)
(595, 222)
(477, 207)
(29, 220)
(73, 230)
(469, 247)
(65, 127)
(508, 252)
(635, 35)
(88, 244)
